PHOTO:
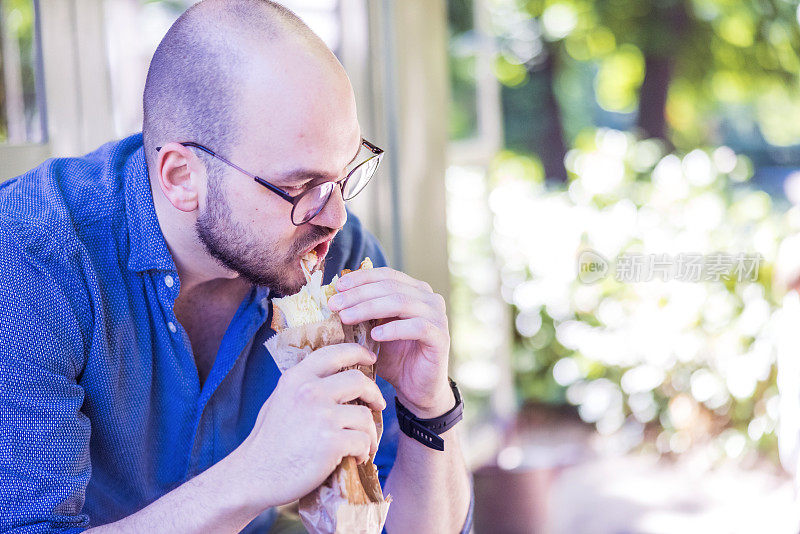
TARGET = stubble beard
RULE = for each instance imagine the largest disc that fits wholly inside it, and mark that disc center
(234, 247)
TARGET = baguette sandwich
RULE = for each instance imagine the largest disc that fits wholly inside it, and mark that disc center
(310, 304)
(350, 500)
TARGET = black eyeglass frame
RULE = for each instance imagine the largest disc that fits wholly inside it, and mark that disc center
(294, 200)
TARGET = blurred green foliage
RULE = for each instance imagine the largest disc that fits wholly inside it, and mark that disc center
(669, 363)
(461, 57)
(17, 18)
(689, 64)
(681, 361)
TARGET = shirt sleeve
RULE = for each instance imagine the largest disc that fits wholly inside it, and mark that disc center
(44, 437)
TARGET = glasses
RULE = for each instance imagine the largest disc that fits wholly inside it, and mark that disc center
(308, 204)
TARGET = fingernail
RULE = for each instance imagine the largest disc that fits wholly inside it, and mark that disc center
(333, 302)
(377, 331)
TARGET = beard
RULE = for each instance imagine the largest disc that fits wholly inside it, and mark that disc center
(247, 253)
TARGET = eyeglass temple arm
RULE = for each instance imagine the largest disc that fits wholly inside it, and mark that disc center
(374, 149)
(251, 175)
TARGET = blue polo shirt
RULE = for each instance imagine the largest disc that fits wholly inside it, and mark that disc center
(101, 407)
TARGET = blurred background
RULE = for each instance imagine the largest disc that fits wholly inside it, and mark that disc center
(521, 136)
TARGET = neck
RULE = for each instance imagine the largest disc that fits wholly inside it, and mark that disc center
(198, 271)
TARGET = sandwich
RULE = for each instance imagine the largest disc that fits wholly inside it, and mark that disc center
(310, 304)
(350, 499)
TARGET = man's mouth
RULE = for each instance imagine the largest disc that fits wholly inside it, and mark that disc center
(315, 254)
(322, 249)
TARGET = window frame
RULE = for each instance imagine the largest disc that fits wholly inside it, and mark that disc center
(72, 80)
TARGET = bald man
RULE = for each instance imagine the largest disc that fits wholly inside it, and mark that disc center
(136, 394)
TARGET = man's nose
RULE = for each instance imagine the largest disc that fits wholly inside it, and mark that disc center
(333, 215)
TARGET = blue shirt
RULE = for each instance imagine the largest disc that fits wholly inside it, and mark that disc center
(101, 407)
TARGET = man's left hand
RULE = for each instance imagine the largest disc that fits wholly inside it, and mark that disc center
(415, 342)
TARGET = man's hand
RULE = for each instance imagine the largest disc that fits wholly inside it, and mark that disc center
(305, 429)
(302, 433)
(415, 341)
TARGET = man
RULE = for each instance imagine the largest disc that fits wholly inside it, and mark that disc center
(135, 391)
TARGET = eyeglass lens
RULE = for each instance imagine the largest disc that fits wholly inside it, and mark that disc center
(313, 200)
(360, 177)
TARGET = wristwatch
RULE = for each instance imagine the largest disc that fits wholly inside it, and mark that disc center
(427, 431)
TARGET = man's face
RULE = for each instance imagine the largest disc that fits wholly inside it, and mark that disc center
(254, 253)
(285, 135)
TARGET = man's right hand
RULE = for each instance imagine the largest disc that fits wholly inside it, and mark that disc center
(302, 432)
(305, 429)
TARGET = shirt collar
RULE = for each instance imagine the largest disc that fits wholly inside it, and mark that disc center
(148, 249)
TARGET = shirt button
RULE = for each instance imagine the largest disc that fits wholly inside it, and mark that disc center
(172, 327)
(169, 281)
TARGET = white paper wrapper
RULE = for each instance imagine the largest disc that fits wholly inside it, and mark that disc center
(350, 501)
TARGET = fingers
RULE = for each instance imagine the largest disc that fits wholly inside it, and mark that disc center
(416, 329)
(357, 417)
(395, 305)
(354, 443)
(332, 358)
(353, 384)
(366, 276)
(385, 293)
(372, 290)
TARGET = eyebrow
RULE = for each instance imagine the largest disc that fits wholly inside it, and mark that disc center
(296, 176)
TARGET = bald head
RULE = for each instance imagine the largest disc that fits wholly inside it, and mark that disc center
(250, 81)
(197, 79)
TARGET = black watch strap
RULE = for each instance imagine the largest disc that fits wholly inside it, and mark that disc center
(427, 431)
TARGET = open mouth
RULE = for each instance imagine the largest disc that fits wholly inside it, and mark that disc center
(321, 250)
(314, 256)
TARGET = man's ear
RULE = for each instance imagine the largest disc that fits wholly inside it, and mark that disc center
(181, 176)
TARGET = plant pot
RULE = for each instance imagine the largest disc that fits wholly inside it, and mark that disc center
(512, 501)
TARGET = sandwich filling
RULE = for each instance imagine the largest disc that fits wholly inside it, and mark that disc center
(310, 304)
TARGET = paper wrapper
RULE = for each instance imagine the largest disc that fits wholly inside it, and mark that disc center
(350, 501)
